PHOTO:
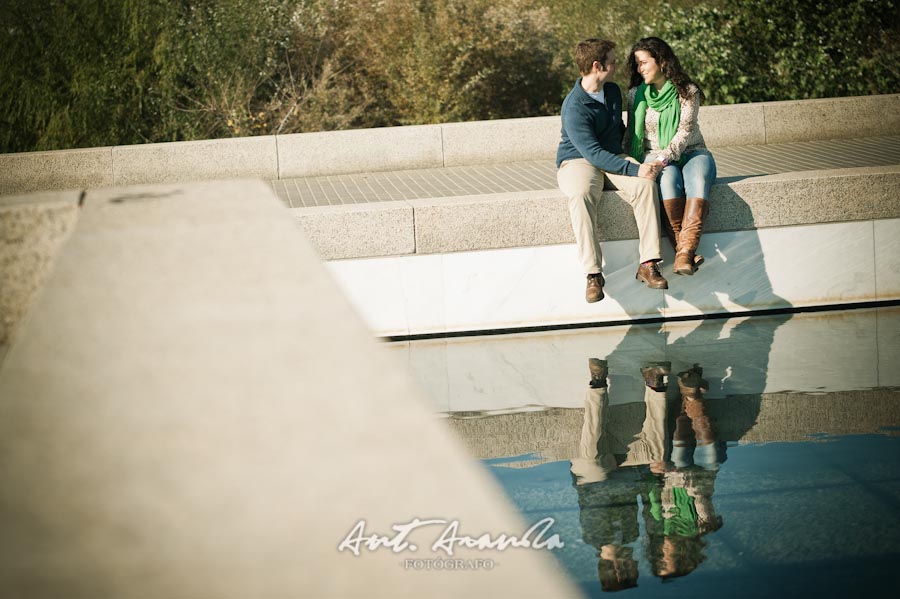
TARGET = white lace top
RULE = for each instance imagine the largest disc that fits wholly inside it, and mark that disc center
(686, 139)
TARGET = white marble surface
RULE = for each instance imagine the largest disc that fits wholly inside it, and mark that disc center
(817, 352)
(374, 287)
(525, 287)
(887, 258)
(778, 268)
(888, 327)
(538, 286)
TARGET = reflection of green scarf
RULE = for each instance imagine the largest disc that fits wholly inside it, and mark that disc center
(682, 519)
(665, 102)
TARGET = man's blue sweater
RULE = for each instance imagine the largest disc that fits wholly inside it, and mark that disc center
(593, 131)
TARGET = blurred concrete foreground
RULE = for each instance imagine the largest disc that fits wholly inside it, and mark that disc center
(190, 405)
(192, 409)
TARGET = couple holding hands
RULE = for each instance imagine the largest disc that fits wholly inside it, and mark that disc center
(661, 154)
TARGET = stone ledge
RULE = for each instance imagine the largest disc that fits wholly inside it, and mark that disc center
(829, 118)
(47, 171)
(32, 229)
(764, 418)
(194, 350)
(382, 229)
(195, 161)
(418, 146)
(537, 218)
(359, 150)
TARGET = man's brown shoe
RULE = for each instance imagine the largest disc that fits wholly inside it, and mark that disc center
(648, 272)
(654, 374)
(599, 372)
(594, 291)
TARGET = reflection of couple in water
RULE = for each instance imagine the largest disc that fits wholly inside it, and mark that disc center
(671, 466)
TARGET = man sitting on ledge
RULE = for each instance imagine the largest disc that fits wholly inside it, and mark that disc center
(590, 155)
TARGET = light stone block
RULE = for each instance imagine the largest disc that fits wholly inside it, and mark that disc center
(524, 371)
(373, 286)
(185, 161)
(491, 221)
(743, 204)
(777, 268)
(191, 413)
(502, 140)
(732, 125)
(359, 230)
(887, 259)
(826, 351)
(423, 288)
(543, 286)
(63, 169)
(829, 118)
(359, 150)
(807, 197)
(428, 366)
(523, 287)
(33, 228)
(887, 323)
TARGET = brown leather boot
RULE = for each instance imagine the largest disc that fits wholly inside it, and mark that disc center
(648, 272)
(695, 210)
(594, 291)
(672, 214)
(671, 218)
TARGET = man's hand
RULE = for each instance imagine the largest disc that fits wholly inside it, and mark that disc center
(650, 170)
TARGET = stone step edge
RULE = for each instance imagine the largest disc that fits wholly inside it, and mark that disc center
(537, 218)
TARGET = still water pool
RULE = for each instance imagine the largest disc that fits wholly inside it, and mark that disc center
(746, 457)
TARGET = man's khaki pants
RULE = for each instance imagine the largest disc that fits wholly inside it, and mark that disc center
(596, 454)
(583, 184)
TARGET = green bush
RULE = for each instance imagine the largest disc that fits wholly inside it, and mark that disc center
(80, 73)
(757, 50)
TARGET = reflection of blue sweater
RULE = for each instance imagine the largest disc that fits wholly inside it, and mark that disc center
(593, 131)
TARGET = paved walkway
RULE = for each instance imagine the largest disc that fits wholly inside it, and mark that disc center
(732, 162)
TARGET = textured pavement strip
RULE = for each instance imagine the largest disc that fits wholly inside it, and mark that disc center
(536, 175)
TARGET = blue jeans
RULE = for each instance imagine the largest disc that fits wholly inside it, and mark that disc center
(691, 180)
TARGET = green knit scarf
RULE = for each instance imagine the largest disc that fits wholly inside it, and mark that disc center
(665, 102)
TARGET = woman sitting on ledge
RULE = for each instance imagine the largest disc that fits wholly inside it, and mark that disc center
(663, 105)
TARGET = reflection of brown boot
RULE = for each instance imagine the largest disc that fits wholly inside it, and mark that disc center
(654, 373)
(695, 212)
(599, 371)
(691, 382)
(594, 291)
(693, 386)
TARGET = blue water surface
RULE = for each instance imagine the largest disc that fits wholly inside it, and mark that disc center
(811, 518)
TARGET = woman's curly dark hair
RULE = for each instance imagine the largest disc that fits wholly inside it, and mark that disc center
(664, 56)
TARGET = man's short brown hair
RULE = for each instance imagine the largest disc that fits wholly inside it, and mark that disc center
(592, 49)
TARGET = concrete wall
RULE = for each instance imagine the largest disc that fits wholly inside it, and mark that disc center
(507, 260)
(538, 218)
(509, 288)
(395, 148)
(188, 413)
(33, 227)
(555, 434)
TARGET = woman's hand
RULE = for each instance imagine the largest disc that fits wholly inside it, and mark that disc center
(650, 170)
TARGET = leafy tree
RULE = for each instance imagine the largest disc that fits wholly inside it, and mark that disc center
(756, 50)
(77, 72)
(474, 59)
(80, 73)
